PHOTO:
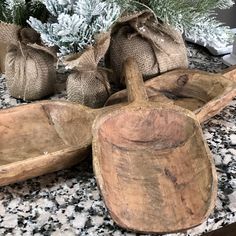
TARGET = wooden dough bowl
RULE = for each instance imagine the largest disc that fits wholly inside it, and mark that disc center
(43, 137)
(230, 73)
(203, 93)
(152, 165)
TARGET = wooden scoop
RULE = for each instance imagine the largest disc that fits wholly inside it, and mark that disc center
(230, 73)
(152, 165)
(203, 93)
(43, 137)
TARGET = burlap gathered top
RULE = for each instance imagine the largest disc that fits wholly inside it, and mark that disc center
(88, 83)
(156, 46)
(29, 66)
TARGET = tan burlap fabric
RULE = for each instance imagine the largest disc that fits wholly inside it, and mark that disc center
(88, 84)
(156, 46)
(29, 66)
(7, 31)
(3, 52)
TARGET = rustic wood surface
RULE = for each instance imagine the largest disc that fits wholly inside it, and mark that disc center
(152, 165)
(43, 137)
(230, 73)
(203, 93)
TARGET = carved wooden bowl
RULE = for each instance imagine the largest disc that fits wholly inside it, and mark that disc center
(43, 137)
(152, 165)
(203, 93)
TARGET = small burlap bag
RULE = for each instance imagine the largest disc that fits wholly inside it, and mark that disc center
(7, 31)
(29, 66)
(88, 83)
(156, 46)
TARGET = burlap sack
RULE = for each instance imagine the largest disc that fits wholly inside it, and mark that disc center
(88, 84)
(156, 46)
(7, 31)
(3, 52)
(29, 66)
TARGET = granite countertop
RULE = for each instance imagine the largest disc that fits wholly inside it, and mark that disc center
(68, 202)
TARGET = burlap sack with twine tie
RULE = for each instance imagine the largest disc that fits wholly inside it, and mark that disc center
(29, 66)
(88, 83)
(156, 46)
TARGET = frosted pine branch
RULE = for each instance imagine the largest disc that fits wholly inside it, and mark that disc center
(224, 4)
(75, 23)
(196, 19)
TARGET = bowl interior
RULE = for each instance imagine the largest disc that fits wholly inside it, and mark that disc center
(153, 169)
(189, 89)
(150, 128)
(36, 130)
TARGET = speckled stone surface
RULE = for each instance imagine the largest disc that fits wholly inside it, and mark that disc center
(68, 202)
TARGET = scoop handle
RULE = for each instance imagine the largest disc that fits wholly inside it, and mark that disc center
(134, 82)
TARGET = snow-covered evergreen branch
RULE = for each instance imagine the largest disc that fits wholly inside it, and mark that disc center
(75, 23)
(196, 19)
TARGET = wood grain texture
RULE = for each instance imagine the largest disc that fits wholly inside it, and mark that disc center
(43, 137)
(152, 165)
(203, 93)
(230, 73)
